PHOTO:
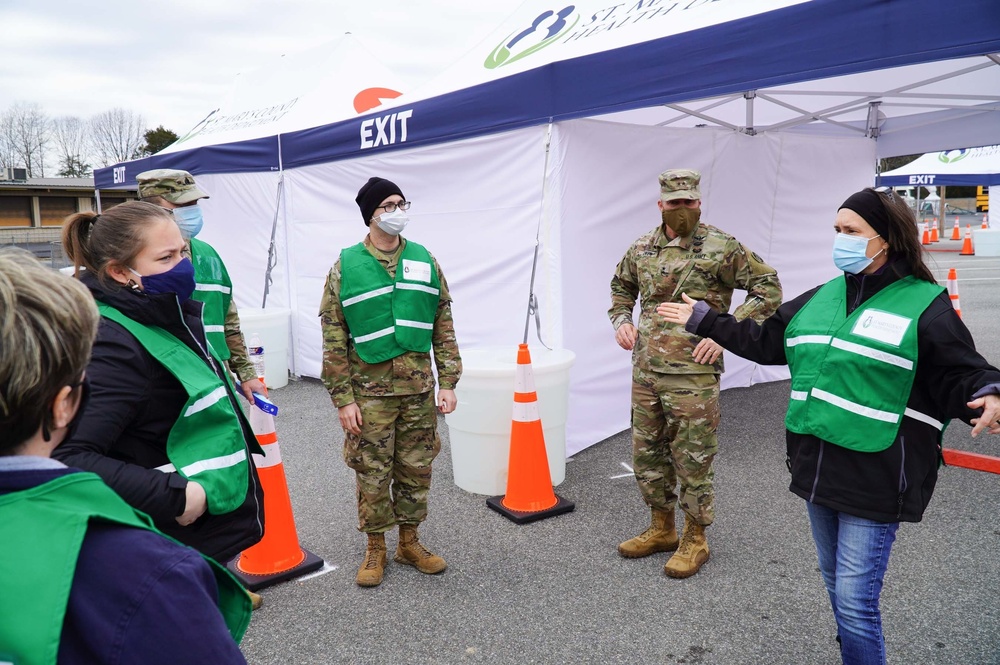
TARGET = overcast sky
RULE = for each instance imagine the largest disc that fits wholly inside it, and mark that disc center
(173, 62)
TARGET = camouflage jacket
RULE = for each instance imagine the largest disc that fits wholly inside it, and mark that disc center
(706, 266)
(239, 360)
(346, 375)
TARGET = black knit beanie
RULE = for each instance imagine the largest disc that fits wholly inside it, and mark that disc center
(371, 195)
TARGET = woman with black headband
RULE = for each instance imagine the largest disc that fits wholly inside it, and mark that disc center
(880, 362)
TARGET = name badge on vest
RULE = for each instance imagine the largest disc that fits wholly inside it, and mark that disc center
(416, 271)
(881, 326)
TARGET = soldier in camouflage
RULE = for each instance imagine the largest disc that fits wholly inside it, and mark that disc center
(675, 375)
(385, 306)
(178, 192)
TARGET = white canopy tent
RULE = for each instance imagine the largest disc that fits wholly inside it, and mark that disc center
(555, 130)
(967, 166)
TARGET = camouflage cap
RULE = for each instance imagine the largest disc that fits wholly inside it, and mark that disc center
(679, 184)
(171, 184)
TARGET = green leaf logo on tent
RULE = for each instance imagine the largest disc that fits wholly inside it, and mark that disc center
(952, 156)
(505, 52)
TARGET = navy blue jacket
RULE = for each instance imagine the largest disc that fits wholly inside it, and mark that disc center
(136, 596)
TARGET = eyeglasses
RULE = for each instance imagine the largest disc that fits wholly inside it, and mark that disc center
(391, 207)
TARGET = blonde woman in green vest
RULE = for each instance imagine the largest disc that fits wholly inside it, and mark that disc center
(85, 578)
(164, 429)
(385, 306)
(880, 363)
(178, 192)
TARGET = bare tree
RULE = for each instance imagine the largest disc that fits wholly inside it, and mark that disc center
(25, 138)
(70, 136)
(117, 136)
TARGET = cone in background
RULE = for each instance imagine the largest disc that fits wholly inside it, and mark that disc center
(926, 236)
(529, 484)
(934, 231)
(986, 221)
(277, 557)
(956, 233)
(953, 290)
(967, 245)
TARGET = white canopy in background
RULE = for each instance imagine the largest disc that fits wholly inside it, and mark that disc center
(968, 166)
(499, 151)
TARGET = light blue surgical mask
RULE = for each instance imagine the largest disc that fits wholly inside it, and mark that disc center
(849, 253)
(189, 220)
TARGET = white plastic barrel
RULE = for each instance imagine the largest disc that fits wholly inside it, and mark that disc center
(985, 242)
(479, 428)
(272, 326)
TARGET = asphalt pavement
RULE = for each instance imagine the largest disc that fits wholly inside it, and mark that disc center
(556, 591)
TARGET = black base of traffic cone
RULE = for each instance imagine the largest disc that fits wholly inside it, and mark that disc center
(523, 517)
(257, 582)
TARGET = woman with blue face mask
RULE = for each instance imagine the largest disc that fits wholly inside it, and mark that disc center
(880, 363)
(163, 427)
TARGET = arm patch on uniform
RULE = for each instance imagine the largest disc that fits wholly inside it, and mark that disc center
(757, 265)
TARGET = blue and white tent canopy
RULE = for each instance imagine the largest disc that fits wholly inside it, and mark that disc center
(918, 74)
(966, 166)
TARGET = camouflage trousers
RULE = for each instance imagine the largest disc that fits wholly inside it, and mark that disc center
(674, 419)
(392, 459)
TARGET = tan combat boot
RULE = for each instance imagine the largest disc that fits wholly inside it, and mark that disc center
(661, 536)
(256, 600)
(412, 553)
(692, 553)
(373, 567)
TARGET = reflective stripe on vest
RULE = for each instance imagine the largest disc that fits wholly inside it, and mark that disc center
(387, 316)
(852, 375)
(214, 288)
(206, 442)
(42, 530)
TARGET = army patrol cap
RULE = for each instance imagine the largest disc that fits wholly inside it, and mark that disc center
(170, 184)
(679, 184)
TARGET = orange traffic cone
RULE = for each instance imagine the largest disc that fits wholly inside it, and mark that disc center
(926, 237)
(934, 231)
(967, 245)
(953, 290)
(986, 221)
(956, 232)
(529, 484)
(277, 557)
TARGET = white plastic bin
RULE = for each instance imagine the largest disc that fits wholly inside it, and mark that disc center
(479, 428)
(986, 242)
(272, 326)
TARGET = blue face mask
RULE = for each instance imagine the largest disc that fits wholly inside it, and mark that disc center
(178, 280)
(189, 220)
(849, 253)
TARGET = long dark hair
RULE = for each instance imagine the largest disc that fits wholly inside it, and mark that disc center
(903, 239)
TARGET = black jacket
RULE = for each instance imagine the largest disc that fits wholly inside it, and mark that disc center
(895, 484)
(134, 402)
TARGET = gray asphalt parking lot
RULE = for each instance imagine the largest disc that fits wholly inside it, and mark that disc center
(556, 591)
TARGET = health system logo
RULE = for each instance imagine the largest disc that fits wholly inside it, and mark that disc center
(952, 156)
(558, 24)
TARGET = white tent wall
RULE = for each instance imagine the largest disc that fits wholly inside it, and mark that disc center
(239, 215)
(476, 208)
(777, 194)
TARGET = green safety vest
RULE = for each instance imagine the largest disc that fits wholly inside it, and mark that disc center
(214, 288)
(206, 443)
(389, 317)
(852, 375)
(42, 530)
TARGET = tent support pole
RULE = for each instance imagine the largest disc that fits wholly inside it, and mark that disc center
(532, 300)
(272, 260)
(749, 95)
(97, 197)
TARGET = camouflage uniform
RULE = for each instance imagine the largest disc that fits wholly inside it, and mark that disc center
(675, 400)
(398, 440)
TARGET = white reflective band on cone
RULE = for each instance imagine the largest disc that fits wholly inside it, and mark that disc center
(524, 379)
(271, 456)
(525, 412)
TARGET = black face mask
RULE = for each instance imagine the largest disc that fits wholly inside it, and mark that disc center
(77, 417)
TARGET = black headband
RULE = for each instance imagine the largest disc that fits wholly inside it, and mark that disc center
(868, 204)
